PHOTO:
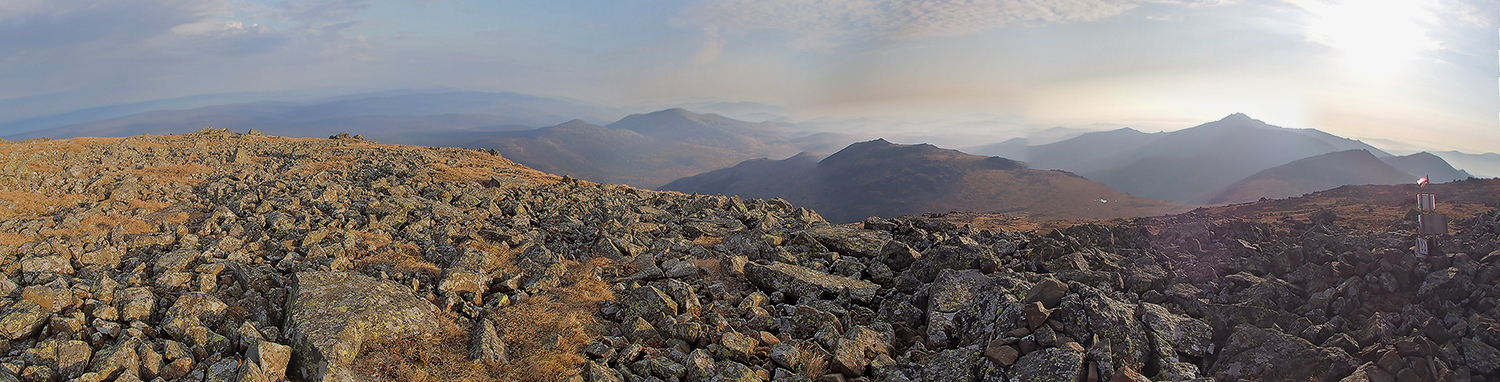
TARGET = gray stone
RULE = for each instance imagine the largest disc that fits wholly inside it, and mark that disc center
(331, 314)
(1048, 365)
(1253, 353)
(485, 344)
(851, 241)
(802, 282)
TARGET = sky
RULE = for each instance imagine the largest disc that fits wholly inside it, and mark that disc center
(1419, 73)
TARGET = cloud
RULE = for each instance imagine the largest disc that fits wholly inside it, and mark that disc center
(826, 24)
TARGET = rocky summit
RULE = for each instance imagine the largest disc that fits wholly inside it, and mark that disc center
(219, 256)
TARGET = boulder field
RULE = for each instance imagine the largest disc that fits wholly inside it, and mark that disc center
(219, 256)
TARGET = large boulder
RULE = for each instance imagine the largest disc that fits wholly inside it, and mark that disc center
(851, 241)
(959, 257)
(1116, 322)
(1253, 353)
(331, 314)
(956, 365)
(803, 282)
(21, 319)
(1177, 333)
(1048, 365)
(966, 307)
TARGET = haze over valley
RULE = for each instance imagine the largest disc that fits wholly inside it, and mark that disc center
(749, 191)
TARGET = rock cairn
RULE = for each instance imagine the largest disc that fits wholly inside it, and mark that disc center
(218, 256)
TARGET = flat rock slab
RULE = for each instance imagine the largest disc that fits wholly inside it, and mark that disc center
(330, 314)
(851, 241)
(807, 283)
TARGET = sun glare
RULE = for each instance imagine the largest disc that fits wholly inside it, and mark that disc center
(1375, 37)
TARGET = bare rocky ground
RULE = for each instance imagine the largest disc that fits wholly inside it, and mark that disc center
(219, 256)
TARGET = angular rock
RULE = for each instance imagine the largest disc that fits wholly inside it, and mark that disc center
(485, 344)
(1182, 334)
(848, 241)
(802, 282)
(21, 319)
(190, 310)
(331, 314)
(649, 303)
(118, 359)
(1479, 356)
(1049, 292)
(1258, 354)
(47, 264)
(960, 364)
(736, 346)
(1048, 365)
(1116, 322)
(135, 303)
(270, 358)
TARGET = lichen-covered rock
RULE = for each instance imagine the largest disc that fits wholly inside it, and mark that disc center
(936, 259)
(47, 264)
(853, 352)
(270, 358)
(1479, 356)
(851, 241)
(1116, 322)
(485, 344)
(802, 282)
(135, 303)
(190, 310)
(331, 314)
(1048, 365)
(736, 346)
(649, 303)
(700, 366)
(1048, 291)
(1447, 284)
(118, 359)
(1253, 353)
(1178, 333)
(21, 319)
(958, 365)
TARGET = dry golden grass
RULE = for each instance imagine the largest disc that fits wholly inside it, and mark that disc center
(706, 240)
(709, 264)
(12, 238)
(547, 332)
(401, 258)
(21, 202)
(544, 337)
(414, 359)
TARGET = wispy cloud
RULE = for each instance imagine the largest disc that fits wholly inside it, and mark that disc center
(826, 24)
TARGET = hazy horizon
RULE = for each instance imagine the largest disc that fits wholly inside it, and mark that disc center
(1412, 73)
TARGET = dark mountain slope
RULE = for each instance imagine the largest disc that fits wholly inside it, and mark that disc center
(1193, 165)
(1313, 174)
(1425, 164)
(1089, 152)
(878, 178)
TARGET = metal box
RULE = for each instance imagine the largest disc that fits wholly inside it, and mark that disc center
(1432, 224)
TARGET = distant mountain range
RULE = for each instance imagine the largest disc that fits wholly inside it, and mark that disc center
(1198, 164)
(878, 178)
(645, 150)
(420, 118)
(1234, 159)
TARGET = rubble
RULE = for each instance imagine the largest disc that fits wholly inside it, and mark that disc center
(242, 257)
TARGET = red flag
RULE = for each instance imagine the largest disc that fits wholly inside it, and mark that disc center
(1422, 182)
